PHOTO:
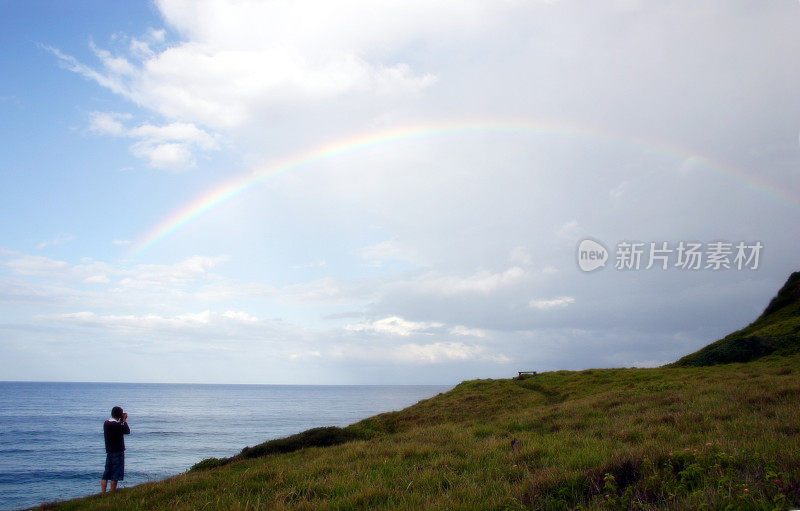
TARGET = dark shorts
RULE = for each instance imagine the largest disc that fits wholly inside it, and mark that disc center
(115, 466)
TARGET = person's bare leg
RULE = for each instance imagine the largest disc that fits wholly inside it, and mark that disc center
(113, 486)
(103, 485)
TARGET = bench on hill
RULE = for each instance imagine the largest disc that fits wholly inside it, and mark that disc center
(526, 373)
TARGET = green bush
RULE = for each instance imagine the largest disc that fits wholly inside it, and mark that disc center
(315, 437)
(208, 464)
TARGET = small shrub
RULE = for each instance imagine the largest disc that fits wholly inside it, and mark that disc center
(315, 437)
(208, 464)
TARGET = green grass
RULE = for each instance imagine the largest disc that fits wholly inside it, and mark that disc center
(718, 437)
(315, 437)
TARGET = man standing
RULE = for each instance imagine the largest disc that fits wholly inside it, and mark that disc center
(113, 431)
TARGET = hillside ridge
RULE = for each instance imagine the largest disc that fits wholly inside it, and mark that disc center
(719, 437)
(775, 331)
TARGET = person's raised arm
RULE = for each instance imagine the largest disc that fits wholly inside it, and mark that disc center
(126, 430)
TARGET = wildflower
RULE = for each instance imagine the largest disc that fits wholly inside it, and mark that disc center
(687, 449)
(608, 496)
(695, 450)
(513, 466)
(746, 490)
(708, 444)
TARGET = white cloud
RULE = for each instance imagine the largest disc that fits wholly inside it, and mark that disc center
(618, 191)
(141, 276)
(470, 332)
(153, 322)
(481, 282)
(142, 48)
(110, 82)
(236, 58)
(37, 265)
(222, 289)
(394, 326)
(177, 131)
(239, 316)
(305, 354)
(569, 230)
(386, 250)
(207, 329)
(162, 333)
(444, 351)
(115, 65)
(169, 155)
(433, 284)
(18, 291)
(164, 276)
(326, 289)
(58, 240)
(521, 256)
(108, 123)
(555, 303)
(313, 264)
(417, 353)
(170, 146)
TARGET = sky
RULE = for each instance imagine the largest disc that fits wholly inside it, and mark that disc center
(383, 192)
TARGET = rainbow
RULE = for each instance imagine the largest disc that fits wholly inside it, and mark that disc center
(228, 190)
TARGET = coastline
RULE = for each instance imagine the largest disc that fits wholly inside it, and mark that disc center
(173, 427)
(594, 438)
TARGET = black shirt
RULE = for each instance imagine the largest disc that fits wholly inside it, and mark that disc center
(113, 431)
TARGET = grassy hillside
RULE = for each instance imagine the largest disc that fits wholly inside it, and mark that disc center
(777, 331)
(680, 438)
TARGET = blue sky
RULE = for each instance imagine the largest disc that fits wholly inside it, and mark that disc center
(424, 260)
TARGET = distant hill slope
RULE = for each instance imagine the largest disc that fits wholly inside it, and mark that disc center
(776, 331)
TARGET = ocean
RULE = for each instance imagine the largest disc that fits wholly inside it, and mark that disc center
(51, 434)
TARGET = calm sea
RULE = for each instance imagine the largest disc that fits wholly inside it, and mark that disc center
(51, 438)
